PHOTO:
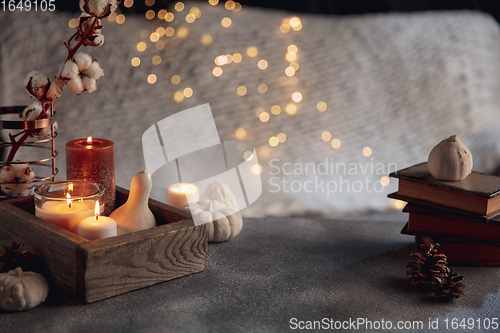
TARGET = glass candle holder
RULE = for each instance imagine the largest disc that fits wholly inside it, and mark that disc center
(66, 203)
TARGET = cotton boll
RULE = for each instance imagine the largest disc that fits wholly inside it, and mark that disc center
(95, 40)
(45, 132)
(99, 8)
(94, 71)
(36, 84)
(23, 190)
(89, 83)
(32, 111)
(75, 85)
(83, 60)
(55, 88)
(23, 171)
(7, 174)
(9, 188)
(70, 70)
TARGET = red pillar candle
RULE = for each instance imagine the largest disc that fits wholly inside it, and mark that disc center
(93, 160)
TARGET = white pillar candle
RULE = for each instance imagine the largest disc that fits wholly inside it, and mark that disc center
(66, 213)
(180, 194)
(97, 227)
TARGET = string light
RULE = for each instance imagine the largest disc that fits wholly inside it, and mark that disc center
(262, 88)
(237, 57)
(283, 81)
(160, 45)
(242, 90)
(169, 32)
(169, 17)
(294, 22)
(176, 79)
(264, 117)
(252, 51)
(385, 180)
(276, 110)
(229, 5)
(367, 151)
(72, 23)
(229, 59)
(259, 111)
(292, 49)
(226, 22)
(190, 18)
(237, 7)
(256, 169)
(150, 14)
(291, 109)
(179, 96)
(196, 12)
(160, 31)
(336, 143)
(161, 14)
(206, 39)
(296, 97)
(213, 2)
(182, 32)
(248, 155)
(273, 141)
(141, 46)
(120, 19)
(292, 80)
(156, 60)
(188, 92)
(151, 79)
(291, 56)
(154, 37)
(150, 3)
(112, 17)
(285, 26)
(221, 60)
(326, 136)
(136, 61)
(321, 106)
(262, 64)
(281, 137)
(241, 133)
(294, 65)
(289, 71)
(217, 71)
(128, 3)
(179, 6)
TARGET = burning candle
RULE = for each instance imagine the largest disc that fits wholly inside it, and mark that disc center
(180, 194)
(65, 204)
(93, 160)
(97, 227)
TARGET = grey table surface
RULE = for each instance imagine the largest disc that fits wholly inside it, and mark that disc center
(274, 271)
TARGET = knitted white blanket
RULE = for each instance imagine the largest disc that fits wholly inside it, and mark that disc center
(396, 83)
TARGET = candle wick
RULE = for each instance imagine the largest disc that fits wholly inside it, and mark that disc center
(69, 204)
(96, 217)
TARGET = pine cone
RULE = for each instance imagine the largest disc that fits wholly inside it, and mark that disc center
(426, 267)
(448, 285)
(14, 256)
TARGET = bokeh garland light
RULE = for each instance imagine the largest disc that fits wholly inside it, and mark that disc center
(288, 77)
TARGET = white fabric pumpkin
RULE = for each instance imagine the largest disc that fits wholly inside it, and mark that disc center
(218, 191)
(450, 160)
(22, 290)
(223, 222)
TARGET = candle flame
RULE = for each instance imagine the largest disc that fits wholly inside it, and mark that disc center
(68, 200)
(183, 188)
(97, 210)
(89, 141)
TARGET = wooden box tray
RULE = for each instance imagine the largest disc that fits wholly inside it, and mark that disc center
(94, 270)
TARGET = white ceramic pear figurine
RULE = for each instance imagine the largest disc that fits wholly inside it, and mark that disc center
(135, 214)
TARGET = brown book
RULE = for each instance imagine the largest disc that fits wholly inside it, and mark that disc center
(463, 253)
(424, 221)
(477, 193)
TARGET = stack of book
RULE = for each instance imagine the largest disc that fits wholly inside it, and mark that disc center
(463, 216)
